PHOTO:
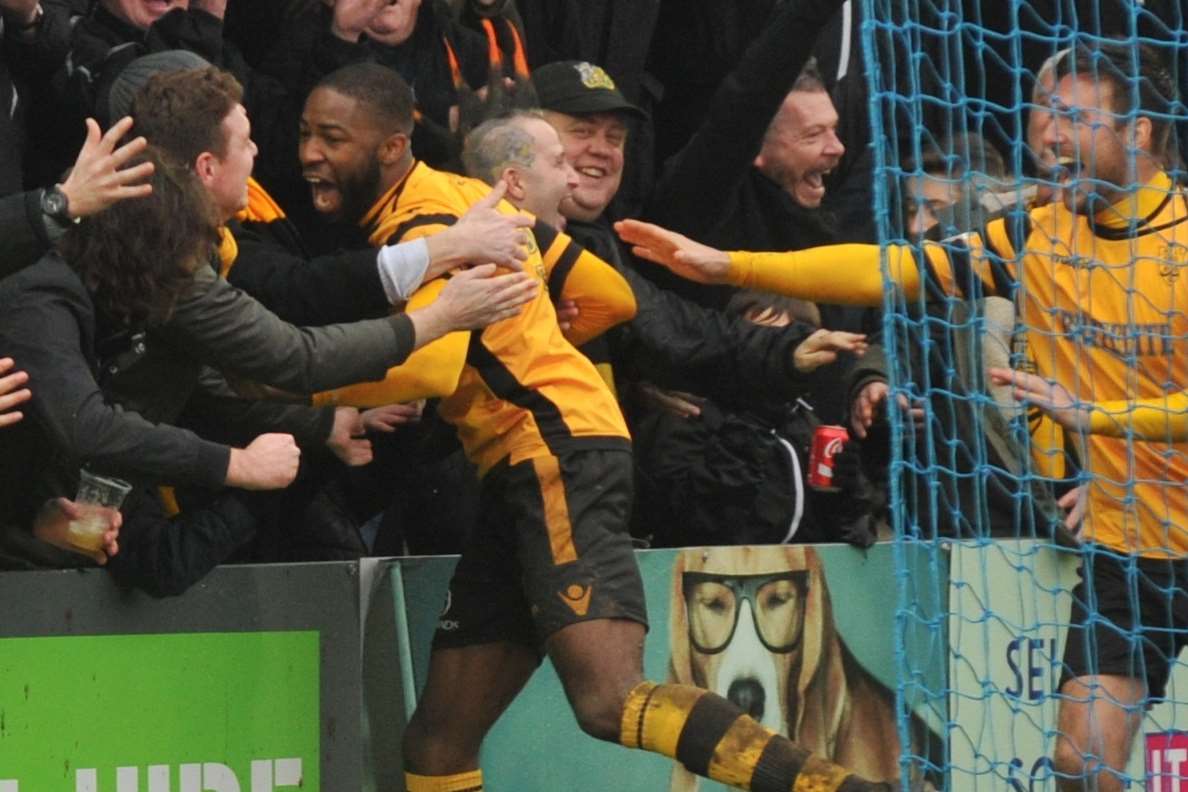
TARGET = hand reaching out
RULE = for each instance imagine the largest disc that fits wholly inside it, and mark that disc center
(98, 178)
(679, 403)
(1050, 396)
(823, 346)
(346, 440)
(269, 462)
(1073, 503)
(689, 259)
(567, 312)
(866, 405)
(478, 297)
(391, 417)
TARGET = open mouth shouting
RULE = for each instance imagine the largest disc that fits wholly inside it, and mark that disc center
(810, 189)
(1062, 170)
(327, 198)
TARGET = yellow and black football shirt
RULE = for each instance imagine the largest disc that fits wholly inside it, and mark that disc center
(1104, 301)
(519, 389)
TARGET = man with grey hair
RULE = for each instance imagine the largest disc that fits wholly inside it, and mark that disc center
(671, 341)
(524, 151)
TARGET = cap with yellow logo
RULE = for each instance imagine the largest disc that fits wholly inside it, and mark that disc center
(578, 87)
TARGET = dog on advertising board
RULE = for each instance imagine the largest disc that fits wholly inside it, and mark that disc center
(755, 625)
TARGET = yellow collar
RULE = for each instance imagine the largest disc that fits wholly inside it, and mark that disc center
(261, 208)
(1138, 206)
(380, 220)
(228, 251)
(375, 213)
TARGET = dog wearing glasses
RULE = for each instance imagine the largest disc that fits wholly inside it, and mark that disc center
(755, 624)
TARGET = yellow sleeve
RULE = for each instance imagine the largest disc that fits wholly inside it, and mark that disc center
(852, 274)
(837, 274)
(603, 296)
(1161, 418)
(430, 372)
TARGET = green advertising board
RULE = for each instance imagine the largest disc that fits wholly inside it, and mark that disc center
(249, 682)
(225, 712)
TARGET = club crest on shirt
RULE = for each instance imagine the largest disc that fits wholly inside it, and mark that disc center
(1172, 259)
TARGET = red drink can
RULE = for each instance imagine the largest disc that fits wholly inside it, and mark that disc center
(827, 442)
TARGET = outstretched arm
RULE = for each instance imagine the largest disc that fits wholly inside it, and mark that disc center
(839, 274)
(441, 313)
(1163, 418)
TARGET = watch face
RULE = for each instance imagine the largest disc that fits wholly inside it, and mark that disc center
(53, 203)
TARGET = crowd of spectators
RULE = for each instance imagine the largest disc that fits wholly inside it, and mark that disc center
(204, 380)
(189, 303)
(205, 385)
(257, 258)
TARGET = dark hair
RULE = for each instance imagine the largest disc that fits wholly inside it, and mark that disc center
(750, 304)
(380, 89)
(1149, 92)
(182, 112)
(136, 256)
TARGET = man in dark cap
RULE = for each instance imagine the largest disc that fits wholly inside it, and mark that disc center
(673, 342)
(592, 117)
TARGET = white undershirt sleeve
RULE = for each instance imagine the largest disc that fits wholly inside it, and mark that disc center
(402, 268)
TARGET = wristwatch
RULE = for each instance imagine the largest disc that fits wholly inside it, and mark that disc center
(56, 206)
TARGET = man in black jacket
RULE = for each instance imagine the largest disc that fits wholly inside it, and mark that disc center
(752, 173)
(671, 341)
(752, 177)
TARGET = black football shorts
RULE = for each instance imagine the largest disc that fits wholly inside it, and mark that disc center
(551, 549)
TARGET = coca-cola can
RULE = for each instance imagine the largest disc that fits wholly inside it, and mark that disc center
(827, 442)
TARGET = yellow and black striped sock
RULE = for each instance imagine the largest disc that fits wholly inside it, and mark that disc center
(471, 781)
(713, 738)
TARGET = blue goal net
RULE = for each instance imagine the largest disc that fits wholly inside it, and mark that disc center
(1029, 170)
